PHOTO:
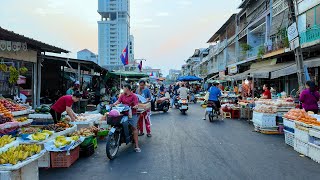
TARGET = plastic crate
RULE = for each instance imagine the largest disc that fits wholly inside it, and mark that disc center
(289, 138)
(314, 152)
(302, 134)
(87, 151)
(62, 160)
(264, 120)
(314, 133)
(87, 141)
(103, 133)
(301, 147)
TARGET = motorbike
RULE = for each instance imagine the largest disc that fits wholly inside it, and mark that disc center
(213, 111)
(120, 132)
(161, 104)
(176, 102)
(183, 105)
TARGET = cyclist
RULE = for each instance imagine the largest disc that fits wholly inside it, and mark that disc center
(214, 94)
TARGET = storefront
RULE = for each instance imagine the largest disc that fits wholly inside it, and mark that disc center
(24, 55)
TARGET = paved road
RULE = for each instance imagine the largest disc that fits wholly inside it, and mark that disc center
(186, 147)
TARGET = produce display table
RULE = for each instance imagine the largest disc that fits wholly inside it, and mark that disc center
(91, 119)
(26, 170)
(44, 161)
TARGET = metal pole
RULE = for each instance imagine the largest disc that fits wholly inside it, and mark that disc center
(297, 52)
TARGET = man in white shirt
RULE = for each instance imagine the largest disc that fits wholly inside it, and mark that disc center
(183, 92)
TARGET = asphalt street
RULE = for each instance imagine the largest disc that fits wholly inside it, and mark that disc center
(187, 147)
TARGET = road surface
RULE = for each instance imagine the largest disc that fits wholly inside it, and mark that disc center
(187, 147)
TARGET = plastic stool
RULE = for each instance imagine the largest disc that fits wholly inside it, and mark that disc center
(235, 114)
(226, 115)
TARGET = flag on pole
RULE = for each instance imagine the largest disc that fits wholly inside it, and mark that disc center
(140, 66)
(125, 56)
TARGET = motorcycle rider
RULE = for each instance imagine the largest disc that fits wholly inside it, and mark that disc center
(214, 94)
(145, 116)
(183, 92)
(130, 99)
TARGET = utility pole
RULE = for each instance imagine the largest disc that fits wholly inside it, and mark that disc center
(297, 50)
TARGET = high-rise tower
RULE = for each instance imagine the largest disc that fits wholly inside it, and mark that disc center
(113, 31)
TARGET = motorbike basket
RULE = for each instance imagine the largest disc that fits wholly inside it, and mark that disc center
(114, 121)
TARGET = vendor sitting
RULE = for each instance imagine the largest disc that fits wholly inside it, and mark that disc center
(64, 103)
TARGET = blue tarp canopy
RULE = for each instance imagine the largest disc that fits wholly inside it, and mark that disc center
(189, 78)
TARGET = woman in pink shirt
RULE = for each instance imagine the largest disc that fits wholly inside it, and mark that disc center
(310, 97)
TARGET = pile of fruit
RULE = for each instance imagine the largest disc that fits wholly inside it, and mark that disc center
(10, 106)
(61, 126)
(43, 109)
(302, 116)
(262, 108)
(4, 118)
(21, 119)
(40, 136)
(86, 132)
(15, 154)
(29, 130)
(62, 141)
(4, 140)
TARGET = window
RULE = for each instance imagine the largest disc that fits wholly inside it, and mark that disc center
(318, 15)
(310, 18)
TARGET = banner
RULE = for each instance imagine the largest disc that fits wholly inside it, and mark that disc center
(24, 46)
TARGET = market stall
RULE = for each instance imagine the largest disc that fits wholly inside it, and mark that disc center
(302, 132)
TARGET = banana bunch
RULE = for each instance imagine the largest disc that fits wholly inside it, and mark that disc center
(6, 140)
(40, 136)
(15, 154)
(3, 67)
(61, 141)
(75, 138)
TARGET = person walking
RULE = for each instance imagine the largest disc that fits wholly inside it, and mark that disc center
(310, 97)
(145, 116)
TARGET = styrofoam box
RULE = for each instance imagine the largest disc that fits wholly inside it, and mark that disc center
(301, 135)
(314, 152)
(301, 147)
(27, 172)
(264, 119)
(289, 123)
(44, 161)
(258, 115)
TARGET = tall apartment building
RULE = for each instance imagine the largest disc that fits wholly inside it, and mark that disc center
(113, 31)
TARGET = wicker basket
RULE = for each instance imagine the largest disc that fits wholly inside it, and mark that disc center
(62, 160)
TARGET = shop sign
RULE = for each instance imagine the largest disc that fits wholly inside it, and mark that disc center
(292, 31)
(233, 70)
(222, 74)
(13, 46)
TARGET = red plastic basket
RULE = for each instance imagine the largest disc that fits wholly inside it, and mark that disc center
(62, 160)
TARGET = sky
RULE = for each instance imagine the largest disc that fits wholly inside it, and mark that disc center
(166, 32)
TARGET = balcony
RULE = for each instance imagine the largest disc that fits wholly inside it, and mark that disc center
(310, 36)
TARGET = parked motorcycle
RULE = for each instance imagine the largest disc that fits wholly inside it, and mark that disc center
(183, 105)
(120, 132)
(160, 104)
